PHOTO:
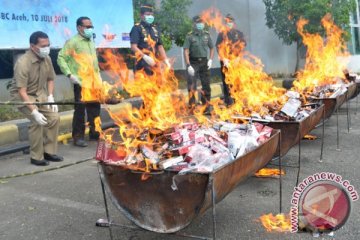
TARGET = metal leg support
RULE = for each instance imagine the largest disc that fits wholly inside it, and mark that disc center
(280, 178)
(213, 197)
(108, 224)
(322, 136)
(299, 160)
(337, 131)
(347, 113)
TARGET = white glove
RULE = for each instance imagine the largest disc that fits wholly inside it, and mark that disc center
(209, 63)
(191, 71)
(149, 60)
(75, 80)
(167, 62)
(39, 117)
(53, 107)
(226, 62)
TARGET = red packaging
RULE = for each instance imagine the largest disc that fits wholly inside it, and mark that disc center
(258, 126)
(110, 152)
(183, 150)
(176, 138)
(192, 135)
(264, 134)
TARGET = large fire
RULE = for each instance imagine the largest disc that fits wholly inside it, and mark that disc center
(251, 88)
(326, 57)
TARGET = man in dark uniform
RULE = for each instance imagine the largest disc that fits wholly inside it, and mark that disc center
(146, 42)
(233, 40)
(196, 47)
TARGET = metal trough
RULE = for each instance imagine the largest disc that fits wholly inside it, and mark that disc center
(352, 90)
(332, 104)
(153, 205)
(293, 131)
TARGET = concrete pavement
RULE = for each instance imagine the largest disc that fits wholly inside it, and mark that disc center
(65, 200)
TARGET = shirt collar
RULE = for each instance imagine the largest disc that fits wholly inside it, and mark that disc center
(82, 37)
(33, 57)
(145, 24)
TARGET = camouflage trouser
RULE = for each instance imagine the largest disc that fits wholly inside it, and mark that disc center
(201, 70)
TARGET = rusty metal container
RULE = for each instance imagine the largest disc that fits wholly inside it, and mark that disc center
(352, 90)
(153, 205)
(332, 104)
(357, 91)
(293, 131)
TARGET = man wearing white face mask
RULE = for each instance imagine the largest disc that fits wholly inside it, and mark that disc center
(34, 82)
(81, 45)
(196, 47)
(146, 44)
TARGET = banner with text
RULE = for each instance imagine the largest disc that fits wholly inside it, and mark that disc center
(112, 20)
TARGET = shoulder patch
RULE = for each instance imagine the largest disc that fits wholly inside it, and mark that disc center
(137, 24)
(189, 33)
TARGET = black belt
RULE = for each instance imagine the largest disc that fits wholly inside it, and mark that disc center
(200, 59)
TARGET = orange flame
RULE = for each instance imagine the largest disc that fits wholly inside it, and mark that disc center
(92, 88)
(278, 223)
(251, 88)
(326, 57)
(163, 105)
(269, 172)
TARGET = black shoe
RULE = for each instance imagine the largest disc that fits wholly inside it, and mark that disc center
(53, 157)
(80, 143)
(39, 162)
(94, 136)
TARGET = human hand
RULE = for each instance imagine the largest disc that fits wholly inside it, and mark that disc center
(209, 63)
(167, 63)
(149, 60)
(39, 117)
(74, 79)
(226, 62)
(53, 107)
(191, 71)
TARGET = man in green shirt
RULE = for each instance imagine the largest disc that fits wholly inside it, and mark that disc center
(79, 55)
(196, 48)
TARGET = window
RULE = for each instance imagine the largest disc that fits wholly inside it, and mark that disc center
(354, 44)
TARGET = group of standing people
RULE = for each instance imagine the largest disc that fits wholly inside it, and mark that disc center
(34, 76)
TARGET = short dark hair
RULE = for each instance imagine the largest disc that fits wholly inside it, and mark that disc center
(80, 20)
(34, 38)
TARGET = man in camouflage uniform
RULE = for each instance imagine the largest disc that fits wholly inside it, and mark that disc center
(196, 47)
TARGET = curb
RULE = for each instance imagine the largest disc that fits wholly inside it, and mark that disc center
(9, 133)
(17, 130)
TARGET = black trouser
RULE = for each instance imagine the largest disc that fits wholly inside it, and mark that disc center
(201, 68)
(227, 97)
(92, 111)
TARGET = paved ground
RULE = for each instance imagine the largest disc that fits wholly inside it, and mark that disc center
(65, 203)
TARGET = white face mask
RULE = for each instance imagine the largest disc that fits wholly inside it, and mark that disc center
(44, 52)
